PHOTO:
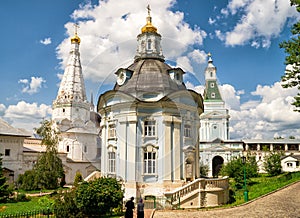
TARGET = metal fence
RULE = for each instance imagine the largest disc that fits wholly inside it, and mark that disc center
(31, 214)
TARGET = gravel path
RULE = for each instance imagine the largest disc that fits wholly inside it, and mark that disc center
(284, 203)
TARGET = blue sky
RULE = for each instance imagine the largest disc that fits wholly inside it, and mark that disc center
(242, 35)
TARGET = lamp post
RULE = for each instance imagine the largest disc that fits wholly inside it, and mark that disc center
(245, 181)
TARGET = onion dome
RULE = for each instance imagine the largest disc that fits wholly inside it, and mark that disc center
(149, 28)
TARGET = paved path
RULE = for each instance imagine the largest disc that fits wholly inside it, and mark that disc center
(284, 203)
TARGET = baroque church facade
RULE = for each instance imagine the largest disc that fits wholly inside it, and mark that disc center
(150, 123)
(150, 131)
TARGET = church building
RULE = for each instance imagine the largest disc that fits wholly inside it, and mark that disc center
(150, 123)
(75, 119)
(215, 146)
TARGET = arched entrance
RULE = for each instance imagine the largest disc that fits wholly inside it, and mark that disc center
(217, 163)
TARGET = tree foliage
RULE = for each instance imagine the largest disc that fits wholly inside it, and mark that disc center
(48, 172)
(4, 187)
(235, 169)
(65, 206)
(99, 196)
(90, 199)
(272, 164)
(291, 78)
(78, 179)
(27, 181)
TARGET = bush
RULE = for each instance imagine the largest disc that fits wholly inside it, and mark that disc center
(65, 206)
(99, 196)
(235, 169)
(27, 180)
(78, 179)
(21, 197)
(272, 164)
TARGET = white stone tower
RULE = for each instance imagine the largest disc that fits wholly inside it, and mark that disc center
(77, 123)
(215, 119)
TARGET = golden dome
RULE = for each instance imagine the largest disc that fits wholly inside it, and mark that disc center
(149, 28)
(75, 39)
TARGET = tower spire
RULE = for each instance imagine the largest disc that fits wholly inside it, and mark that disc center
(71, 101)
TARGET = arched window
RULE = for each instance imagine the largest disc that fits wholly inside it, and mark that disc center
(213, 95)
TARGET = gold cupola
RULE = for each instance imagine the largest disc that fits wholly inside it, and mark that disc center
(149, 28)
(75, 38)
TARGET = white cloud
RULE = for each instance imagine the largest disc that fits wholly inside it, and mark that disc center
(211, 21)
(104, 48)
(198, 56)
(46, 41)
(259, 21)
(27, 115)
(2, 109)
(269, 117)
(33, 86)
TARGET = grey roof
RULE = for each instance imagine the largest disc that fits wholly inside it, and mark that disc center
(6, 129)
(149, 75)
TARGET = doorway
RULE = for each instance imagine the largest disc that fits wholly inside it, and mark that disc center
(217, 163)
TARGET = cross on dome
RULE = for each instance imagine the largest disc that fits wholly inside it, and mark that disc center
(149, 27)
(75, 38)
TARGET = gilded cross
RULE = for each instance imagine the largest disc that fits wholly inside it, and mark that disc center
(149, 9)
(76, 26)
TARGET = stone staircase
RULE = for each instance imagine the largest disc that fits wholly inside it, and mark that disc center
(200, 193)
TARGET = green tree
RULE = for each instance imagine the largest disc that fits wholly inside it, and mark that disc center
(235, 169)
(272, 163)
(99, 196)
(291, 78)
(4, 187)
(78, 179)
(48, 169)
(27, 180)
(65, 206)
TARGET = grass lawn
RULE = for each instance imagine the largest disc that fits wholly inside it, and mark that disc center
(262, 185)
(20, 207)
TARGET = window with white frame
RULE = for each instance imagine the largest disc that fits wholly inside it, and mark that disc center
(187, 130)
(112, 131)
(112, 162)
(212, 85)
(149, 162)
(149, 128)
(213, 95)
(289, 165)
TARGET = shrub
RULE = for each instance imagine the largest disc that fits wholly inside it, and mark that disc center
(272, 164)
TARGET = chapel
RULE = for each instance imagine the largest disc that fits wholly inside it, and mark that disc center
(150, 123)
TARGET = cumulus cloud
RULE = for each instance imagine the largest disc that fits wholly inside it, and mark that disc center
(269, 117)
(27, 115)
(32, 86)
(258, 21)
(46, 41)
(104, 48)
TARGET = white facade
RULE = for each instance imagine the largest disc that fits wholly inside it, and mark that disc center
(150, 123)
(216, 148)
(77, 123)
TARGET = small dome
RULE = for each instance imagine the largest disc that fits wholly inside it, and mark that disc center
(75, 39)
